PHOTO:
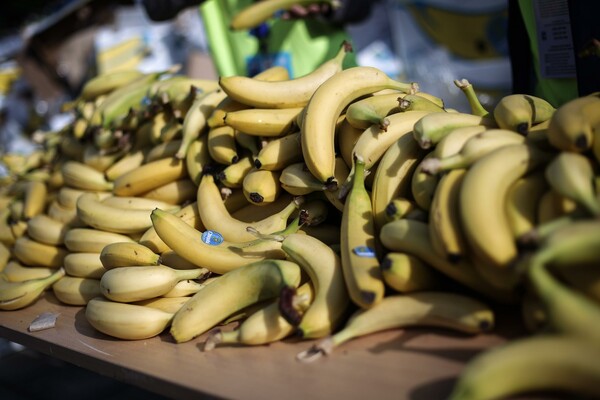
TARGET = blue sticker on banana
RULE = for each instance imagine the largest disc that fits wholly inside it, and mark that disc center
(364, 251)
(212, 238)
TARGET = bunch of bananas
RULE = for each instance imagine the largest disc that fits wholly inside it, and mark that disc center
(328, 206)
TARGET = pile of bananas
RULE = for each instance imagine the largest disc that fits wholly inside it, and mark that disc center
(328, 206)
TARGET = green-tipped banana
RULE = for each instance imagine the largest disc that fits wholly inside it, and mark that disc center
(467, 88)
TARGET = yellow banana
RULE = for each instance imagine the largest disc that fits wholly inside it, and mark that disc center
(37, 254)
(90, 240)
(406, 273)
(297, 180)
(14, 271)
(149, 176)
(128, 284)
(138, 203)
(162, 150)
(80, 176)
(414, 102)
(430, 129)
(230, 293)
(127, 254)
(233, 175)
(197, 158)
(358, 245)
(35, 199)
(522, 203)
(76, 291)
(572, 125)
(326, 105)
(278, 153)
(282, 94)
(261, 186)
(67, 216)
(423, 184)
(110, 218)
(129, 161)
(17, 295)
(438, 309)
(168, 304)
(67, 196)
(268, 122)
(126, 321)
(84, 265)
(346, 137)
(518, 112)
(107, 82)
(248, 142)
(46, 230)
(222, 146)
(451, 144)
(331, 299)
(373, 110)
(180, 191)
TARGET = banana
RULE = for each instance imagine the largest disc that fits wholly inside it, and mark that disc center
(572, 175)
(572, 125)
(135, 283)
(105, 217)
(278, 153)
(522, 203)
(282, 94)
(249, 212)
(188, 214)
(84, 265)
(185, 288)
(207, 249)
(336, 193)
(149, 176)
(194, 123)
(62, 214)
(445, 230)
(403, 207)
(373, 110)
(81, 176)
(129, 161)
(67, 196)
(268, 122)
(297, 180)
(162, 150)
(469, 91)
(414, 102)
(331, 299)
(214, 215)
(346, 137)
(248, 143)
(5, 254)
(518, 112)
(197, 158)
(393, 175)
(261, 186)
(263, 326)
(423, 185)
(90, 240)
(76, 291)
(326, 105)
(412, 237)
(230, 293)
(358, 245)
(473, 149)
(180, 191)
(222, 146)
(138, 203)
(46, 230)
(553, 205)
(35, 199)
(438, 309)
(406, 273)
(127, 254)
(233, 175)
(101, 159)
(167, 304)
(36, 254)
(14, 271)
(451, 144)
(18, 295)
(126, 321)
(107, 82)
(532, 364)
(483, 199)
(254, 14)
(430, 129)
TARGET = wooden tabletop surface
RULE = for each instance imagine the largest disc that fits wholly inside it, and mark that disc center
(415, 363)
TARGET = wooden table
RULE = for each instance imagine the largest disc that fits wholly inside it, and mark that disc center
(419, 364)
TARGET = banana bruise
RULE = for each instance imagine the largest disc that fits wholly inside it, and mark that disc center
(358, 245)
(18, 295)
(536, 363)
(232, 292)
(282, 94)
(331, 300)
(438, 309)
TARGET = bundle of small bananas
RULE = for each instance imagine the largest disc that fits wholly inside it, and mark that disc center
(328, 206)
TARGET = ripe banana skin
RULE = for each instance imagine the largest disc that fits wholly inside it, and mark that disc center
(218, 257)
(523, 201)
(215, 216)
(358, 245)
(35, 198)
(518, 112)
(572, 125)
(278, 153)
(149, 176)
(406, 273)
(17, 295)
(127, 254)
(533, 364)
(14, 271)
(76, 291)
(261, 186)
(47, 230)
(83, 265)
(222, 146)
(439, 309)
(126, 321)
(429, 130)
(107, 82)
(81, 176)
(128, 284)
(325, 106)
(571, 175)
(266, 325)
(36, 254)
(233, 175)
(297, 180)
(257, 13)
(89, 240)
(268, 122)
(282, 94)
(331, 300)
(230, 293)
(482, 201)
(105, 217)
(373, 110)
